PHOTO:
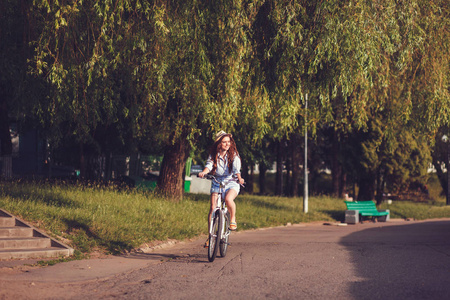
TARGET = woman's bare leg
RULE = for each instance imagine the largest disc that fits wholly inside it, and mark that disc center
(213, 203)
(229, 200)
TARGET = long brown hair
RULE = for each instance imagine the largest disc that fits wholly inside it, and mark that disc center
(232, 152)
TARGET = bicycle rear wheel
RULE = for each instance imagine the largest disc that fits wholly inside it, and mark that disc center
(214, 238)
(224, 240)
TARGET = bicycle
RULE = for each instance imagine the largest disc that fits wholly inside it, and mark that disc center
(219, 227)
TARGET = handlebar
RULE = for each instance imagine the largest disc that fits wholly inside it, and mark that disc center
(213, 178)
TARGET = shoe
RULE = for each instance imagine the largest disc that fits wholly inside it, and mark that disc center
(206, 245)
(233, 226)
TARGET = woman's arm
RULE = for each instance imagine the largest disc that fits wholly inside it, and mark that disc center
(204, 172)
(237, 169)
(208, 167)
(240, 179)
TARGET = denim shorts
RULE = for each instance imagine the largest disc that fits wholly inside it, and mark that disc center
(215, 188)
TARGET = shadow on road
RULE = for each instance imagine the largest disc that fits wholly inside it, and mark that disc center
(401, 262)
(192, 258)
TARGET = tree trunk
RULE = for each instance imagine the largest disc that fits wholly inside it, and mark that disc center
(262, 179)
(448, 172)
(380, 186)
(296, 158)
(5, 135)
(441, 175)
(5, 140)
(244, 171)
(287, 187)
(170, 180)
(366, 186)
(108, 166)
(82, 162)
(335, 166)
(279, 178)
(249, 185)
(343, 184)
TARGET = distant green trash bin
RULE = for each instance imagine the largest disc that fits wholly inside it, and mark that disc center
(187, 184)
(188, 166)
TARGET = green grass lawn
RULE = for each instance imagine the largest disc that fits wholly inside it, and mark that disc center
(91, 217)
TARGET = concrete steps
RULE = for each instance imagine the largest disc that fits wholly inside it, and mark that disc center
(20, 240)
(24, 243)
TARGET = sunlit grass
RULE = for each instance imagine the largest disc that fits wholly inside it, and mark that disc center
(94, 217)
(261, 211)
(418, 211)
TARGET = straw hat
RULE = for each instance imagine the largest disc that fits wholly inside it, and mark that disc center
(221, 134)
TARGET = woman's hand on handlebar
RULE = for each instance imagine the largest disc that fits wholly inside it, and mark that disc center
(240, 180)
(203, 173)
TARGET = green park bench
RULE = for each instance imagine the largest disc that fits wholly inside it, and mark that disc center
(359, 210)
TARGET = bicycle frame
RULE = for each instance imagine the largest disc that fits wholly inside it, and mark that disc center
(219, 223)
(221, 208)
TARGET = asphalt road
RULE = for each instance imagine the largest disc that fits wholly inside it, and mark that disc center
(394, 260)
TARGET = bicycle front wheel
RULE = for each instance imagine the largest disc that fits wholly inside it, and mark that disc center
(214, 238)
(226, 234)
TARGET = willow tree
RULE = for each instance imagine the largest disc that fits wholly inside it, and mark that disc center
(174, 70)
(315, 48)
(11, 62)
(199, 85)
(171, 67)
(357, 60)
(93, 55)
(410, 91)
(428, 80)
(16, 86)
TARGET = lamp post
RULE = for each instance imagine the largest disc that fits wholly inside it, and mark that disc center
(305, 165)
(445, 140)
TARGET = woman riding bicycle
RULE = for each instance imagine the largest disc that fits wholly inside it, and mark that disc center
(224, 162)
